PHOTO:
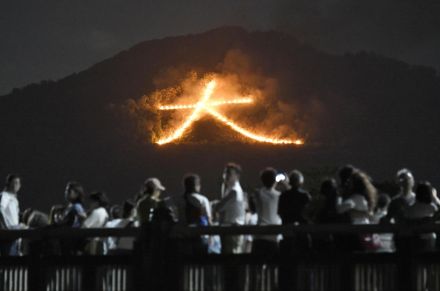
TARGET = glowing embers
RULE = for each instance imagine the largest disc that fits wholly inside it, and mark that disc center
(206, 106)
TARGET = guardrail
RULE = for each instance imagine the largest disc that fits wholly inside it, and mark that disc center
(157, 262)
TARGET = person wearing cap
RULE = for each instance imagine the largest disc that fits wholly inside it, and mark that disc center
(149, 202)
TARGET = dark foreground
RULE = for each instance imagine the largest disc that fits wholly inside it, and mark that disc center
(162, 260)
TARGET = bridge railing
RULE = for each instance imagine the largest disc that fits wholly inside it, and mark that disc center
(157, 263)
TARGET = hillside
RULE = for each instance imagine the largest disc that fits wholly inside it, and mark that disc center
(362, 108)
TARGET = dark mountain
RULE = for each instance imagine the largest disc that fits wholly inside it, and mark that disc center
(361, 108)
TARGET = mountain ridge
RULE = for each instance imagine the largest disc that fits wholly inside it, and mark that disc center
(362, 108)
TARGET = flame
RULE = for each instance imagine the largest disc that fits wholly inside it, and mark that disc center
(209, 104)
(248, 133)
(209, 89)
(204, 105)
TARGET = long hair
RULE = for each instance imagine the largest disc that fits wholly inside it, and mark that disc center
(79, 190)
(361, 184)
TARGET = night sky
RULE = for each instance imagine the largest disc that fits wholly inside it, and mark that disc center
(49, 39)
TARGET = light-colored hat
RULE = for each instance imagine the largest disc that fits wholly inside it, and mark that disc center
(154, 183)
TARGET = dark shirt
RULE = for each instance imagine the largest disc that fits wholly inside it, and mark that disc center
(152, 210)
(398, 208)
(73, 214)
(292, 204)
(329, 215)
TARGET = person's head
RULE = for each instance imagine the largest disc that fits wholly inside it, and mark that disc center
(360, 183)
(296, 179)
(192, 183)
(329, 189)
(127, 209)
(268, 177)
(98, 199)
(383, 201)
(13, 183)
(231, 174)
(405, 179)
(56, 214)
(152, 187)
(344, 174)
(74, 192)
(115, 211)
(424, 192)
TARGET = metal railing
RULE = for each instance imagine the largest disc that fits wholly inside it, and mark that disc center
(157, 263)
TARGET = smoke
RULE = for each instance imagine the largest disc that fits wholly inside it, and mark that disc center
(236, 76)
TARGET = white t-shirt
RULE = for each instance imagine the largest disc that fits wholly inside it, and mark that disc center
(357, 205)
(232, 205)
(267, 206)
(10, 209)
(97, 218)
(266, 202)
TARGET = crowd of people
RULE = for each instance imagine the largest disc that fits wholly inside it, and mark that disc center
(349, 197)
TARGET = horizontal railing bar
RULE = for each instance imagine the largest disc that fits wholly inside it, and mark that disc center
(179, 231)
(67, 232)
(289, 230)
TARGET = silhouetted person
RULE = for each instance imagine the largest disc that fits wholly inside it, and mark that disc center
(231, 211)
(361, 199)
(10, 212)
(405, 198)
(74, 213)
(122, 245)
(71, 215)
(97, 218)
(115, 212)
(33, 218)
(293, 202)
(344, 175)
(150, 206)
(98, 215)
(359, 204)
(291, 209)
(328, 212)
(266, 204)
(423, 210)
(197, 210)
(231, 207)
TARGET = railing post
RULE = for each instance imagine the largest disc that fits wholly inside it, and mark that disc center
(142, 257)
(90, 278)
(347, 271)
(288, 273)
(405, 272)
(36, 273)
